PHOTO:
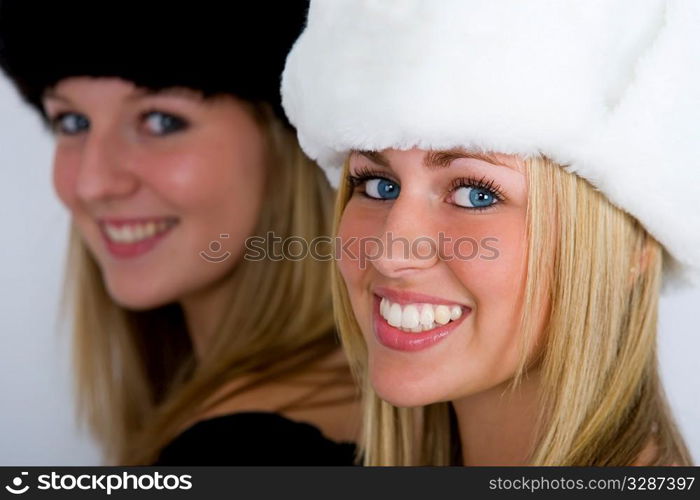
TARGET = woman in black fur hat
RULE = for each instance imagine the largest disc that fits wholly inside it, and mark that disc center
(171, 151)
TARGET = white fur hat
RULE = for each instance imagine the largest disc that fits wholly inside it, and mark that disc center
(610, 88)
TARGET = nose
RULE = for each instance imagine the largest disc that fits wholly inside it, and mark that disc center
(104, 171)
(410, 244)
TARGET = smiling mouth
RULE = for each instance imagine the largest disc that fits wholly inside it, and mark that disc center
(418, 317)
(127, 238)
(135, 230)
(414, 326)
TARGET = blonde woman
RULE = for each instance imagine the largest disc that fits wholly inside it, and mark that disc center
(516, 181)
(172, 151)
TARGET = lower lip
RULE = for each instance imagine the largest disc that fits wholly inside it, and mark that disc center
(397, 339)
(131, 250)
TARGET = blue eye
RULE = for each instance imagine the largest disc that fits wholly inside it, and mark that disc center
(70, 123)
(382, 189)
(474, 197)
(475, 194)
(159, 123)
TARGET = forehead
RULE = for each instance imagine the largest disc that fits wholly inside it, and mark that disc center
(85, 87)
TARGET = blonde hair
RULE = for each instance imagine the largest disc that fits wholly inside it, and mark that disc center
(597, 277)
(137, 380)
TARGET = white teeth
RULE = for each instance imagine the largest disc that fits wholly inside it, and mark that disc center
(442, 314)
(133, 233)
(426, 316)
(128, 234)
(417, 317)
(409, 317)
(384, 308)
(394, 318)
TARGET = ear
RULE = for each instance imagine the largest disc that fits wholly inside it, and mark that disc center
(644, 260)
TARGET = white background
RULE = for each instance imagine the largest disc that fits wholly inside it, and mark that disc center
(37, 423)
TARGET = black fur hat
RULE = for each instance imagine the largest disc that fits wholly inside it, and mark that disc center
(219, 47)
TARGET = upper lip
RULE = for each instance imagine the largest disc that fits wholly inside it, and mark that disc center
(408, 297)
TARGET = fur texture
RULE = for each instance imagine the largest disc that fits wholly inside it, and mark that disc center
(609, 88)
(234, 48)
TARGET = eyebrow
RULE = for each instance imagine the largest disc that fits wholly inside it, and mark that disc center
(442, 159)
(439, 159)
(376, 157)
(141, 92)
(51, 94)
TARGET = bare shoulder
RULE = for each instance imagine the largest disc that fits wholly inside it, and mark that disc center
(332, 399)
(324, 395)
(648, 456)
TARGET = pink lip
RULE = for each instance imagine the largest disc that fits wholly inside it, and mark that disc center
(131, 250)
(405, 297)
(396, 339)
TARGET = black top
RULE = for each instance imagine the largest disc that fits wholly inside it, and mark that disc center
(255, 438)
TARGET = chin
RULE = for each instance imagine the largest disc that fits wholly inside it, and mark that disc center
(409, 383)
(403, 390)
(136, 296)
(403, 400)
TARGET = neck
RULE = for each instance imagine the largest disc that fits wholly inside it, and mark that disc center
(497, 426)
(203, 311)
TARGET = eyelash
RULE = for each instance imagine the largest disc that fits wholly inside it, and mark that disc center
(479, 183)
(364, 174)
(55, 122)
(184, 124)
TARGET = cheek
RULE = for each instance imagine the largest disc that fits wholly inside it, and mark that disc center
(495, 279)
(488, 254)
(218, 198)
(492, 265)
(65, 175)
(187, 180)
(358, 231)
(207, 180)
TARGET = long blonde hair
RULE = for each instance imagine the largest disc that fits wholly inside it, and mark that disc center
(596, 272)
(137, 380)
